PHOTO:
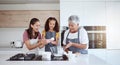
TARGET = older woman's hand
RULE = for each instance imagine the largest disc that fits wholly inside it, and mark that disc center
(68, 45)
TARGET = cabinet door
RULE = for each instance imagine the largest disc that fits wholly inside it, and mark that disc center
(90, 13)
(113, 25)
(21, 18)
(94, 13)
(113, 57)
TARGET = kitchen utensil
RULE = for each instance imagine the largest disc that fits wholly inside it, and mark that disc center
(16, 44)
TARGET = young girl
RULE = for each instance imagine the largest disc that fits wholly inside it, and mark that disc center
(51, 34)
(32, 37)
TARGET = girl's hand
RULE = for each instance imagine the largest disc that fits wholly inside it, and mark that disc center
(53, 42)
(48, 41)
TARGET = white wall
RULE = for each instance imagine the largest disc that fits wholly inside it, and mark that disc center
(89, 11)
(113, 25)
(95, 12)
(8, 35)
(12, 34)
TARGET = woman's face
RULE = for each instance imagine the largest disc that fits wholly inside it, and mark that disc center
(51, 24)
(73, 27)
(36, 26)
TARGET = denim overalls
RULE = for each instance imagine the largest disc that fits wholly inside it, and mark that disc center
(49, 35)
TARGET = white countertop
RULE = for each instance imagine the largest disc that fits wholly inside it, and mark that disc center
(87, 59)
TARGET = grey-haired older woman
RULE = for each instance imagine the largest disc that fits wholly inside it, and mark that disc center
(76, 37)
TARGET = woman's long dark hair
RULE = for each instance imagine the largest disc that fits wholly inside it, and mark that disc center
(56, 28)
(30, 29)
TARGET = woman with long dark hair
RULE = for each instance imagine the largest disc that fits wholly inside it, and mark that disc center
(32, 37)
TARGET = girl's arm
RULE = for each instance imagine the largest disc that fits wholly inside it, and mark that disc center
(43, 34)
(43, 37)
(57, 39)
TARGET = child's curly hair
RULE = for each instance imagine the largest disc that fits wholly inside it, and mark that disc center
(56, 28)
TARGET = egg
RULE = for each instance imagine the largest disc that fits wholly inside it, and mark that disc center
(52, 38)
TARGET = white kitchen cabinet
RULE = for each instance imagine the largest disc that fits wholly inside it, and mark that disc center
(90, 12)
(101, 53)
(113, 25)
(16, 18)
(110, 56)
(113, 57)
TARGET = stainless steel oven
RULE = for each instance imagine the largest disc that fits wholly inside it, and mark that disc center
(97, 36)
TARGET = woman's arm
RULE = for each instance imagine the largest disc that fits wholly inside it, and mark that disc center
(43, 42)
(27, 41)
(83, 38)
(30, 47)
(81, 46)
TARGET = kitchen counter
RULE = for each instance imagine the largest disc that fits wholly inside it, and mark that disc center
(87, 59)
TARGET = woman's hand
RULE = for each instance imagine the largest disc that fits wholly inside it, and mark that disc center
(42, 43)
(67, 46)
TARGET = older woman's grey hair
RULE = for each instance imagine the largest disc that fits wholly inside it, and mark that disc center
(74, 19)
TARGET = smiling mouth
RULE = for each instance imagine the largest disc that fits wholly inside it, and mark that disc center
(51, 27)
(36, 29)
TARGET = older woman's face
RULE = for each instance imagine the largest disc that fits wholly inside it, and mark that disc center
(36, 26)
(73, 27)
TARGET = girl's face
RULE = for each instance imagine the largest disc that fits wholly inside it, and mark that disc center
(36, 26)
(52, 24)
(73, 27)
